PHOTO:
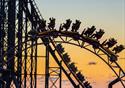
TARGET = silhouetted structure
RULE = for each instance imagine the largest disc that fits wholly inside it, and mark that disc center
(51, 25)
(80, 76)
(61, 27)
(98, 34)
(67, 24)
(73, 67)
(22, 29)
(89, 31)
(60, 48)
(66, 58)
(118, 49)
(110, 43)
(76, 26)
(43, 26)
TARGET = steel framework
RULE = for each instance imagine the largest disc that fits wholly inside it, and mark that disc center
(22, 29)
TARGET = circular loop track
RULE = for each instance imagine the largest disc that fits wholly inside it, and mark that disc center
(83, 41)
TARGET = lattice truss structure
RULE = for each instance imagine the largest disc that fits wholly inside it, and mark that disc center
(22, 25)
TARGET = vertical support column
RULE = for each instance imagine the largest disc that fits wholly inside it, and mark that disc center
(31, 63)
(1, 13)
(11, 39)
(60, 76)
(32, 52)
(2, 30)
(25, 51)
(35, 73)
(47, 67)
(19, 35)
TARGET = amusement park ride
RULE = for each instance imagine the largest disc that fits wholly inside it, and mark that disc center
(22, 25)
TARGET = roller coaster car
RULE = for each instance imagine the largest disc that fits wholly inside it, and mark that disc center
(43, 22)
(108, 50)
(87, 84)
(118, 49)
(83, 32)
(69, 34)
(76, 36)
(76, 26)
(60, 27)
(67, 24)
(66, 58)
(110, 43)
(32, 32)
(98, 34)
(113, 58)
(80, 76)
(93, 42)
(89, 31)
(95, 45)
(51, 25)
(73, 67)
(54, 33)
(60, 48)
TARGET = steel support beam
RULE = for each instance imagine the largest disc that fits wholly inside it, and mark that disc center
(47, 67)
(31, 64)
(113, 82)
(2, 30)
(11, 38)
(25, 51)
(19, 36)
(60, 76)
(35, 76)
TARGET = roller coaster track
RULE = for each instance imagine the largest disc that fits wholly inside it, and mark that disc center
(22, 18)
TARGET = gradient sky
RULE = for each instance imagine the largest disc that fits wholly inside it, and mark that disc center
(106, 14)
